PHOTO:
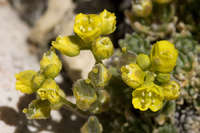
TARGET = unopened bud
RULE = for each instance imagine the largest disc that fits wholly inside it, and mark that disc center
(163, 56)
(163, 77)
(102, 48)
(50, 64)
(68, 45)
(108, 22)
(143, 61)
(132, 75)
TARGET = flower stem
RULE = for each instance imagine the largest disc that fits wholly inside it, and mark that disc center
(72, 107)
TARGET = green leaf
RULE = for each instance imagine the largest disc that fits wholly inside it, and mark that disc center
(167, 129)
(134, 43)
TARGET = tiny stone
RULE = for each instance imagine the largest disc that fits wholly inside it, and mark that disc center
(73, 117)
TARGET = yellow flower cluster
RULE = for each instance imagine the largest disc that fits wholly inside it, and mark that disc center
(89, 29)
(150, 77)
(42, 82)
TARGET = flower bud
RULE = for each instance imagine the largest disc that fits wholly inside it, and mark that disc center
(92, 126)
(132, 75)
(38, 109)
(102, 48)
(163, 77)
(171, 90)
(50, 64)
(50, 91)
(143, 61)
(162, 1)
(99, 75)
(24, 81)
(68, 45)
(163, 56)
(37, 80)
(148, 96)
(85, 94)
(142, 8)
(108, 22)
(87, 27)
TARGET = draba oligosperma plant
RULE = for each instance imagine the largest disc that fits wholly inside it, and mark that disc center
(117, 95)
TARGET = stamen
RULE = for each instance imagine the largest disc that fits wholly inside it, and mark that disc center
(150, 94)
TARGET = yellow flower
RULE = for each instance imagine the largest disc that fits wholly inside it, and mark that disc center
(171, 90)
(37, 80)
(68, 45)
(102, 48)
(108, 22)
(162, 1)
(87, 27)
(24, 81)
(163, 56)
(148, 96)
(50, 91)
(142, 8)
(143, 61)
(38, 109)
(99, 76)
(85, 94)
(50, 64)
(132, 75)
